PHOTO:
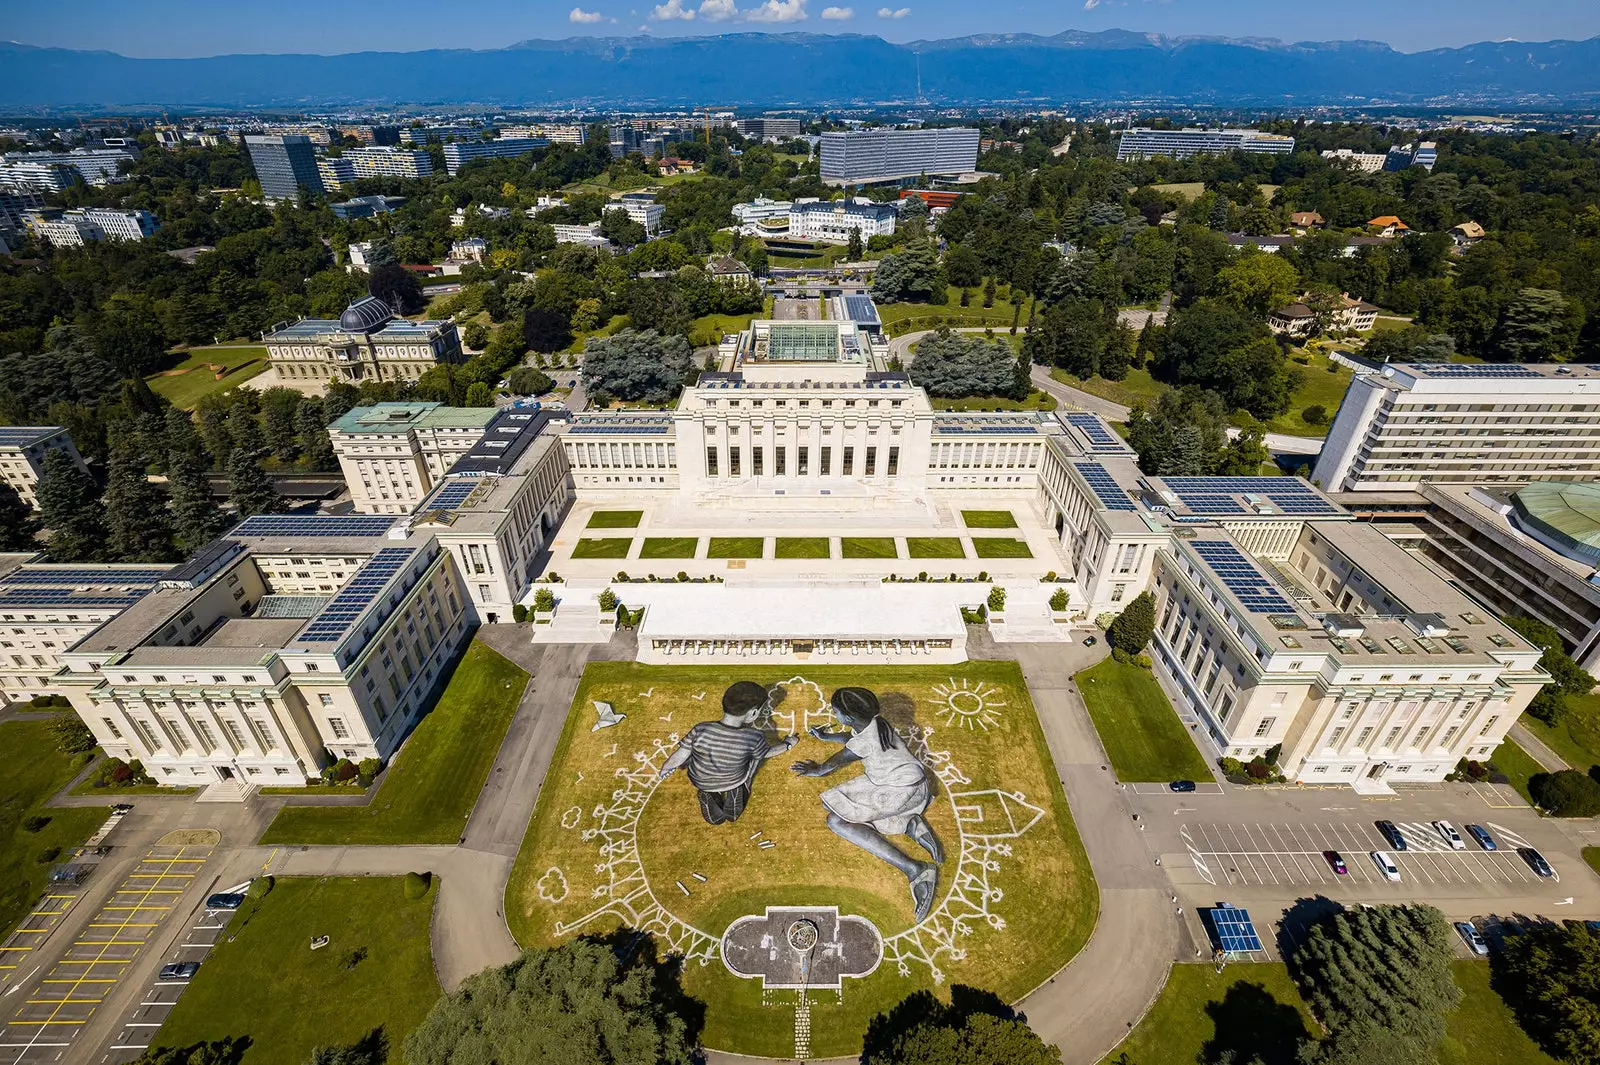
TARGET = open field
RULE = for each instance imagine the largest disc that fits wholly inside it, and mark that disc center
(563, 885)
(1138, 387)
(1036, 400)
(1576, 738)
(428, 794)
(1138, 727)
(35, 770)
(1318, 388)
(186, 383)
(316, 997)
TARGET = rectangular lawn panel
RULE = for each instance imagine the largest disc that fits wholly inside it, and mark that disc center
(1138, 727)
(615, 519)
(735, 547)
(35, 770)
(935, 547)
(867, 547)
(1044, 901)
(602, 547)
(668, 547)
(988, 519)
(428, 794)
(1517, 764)
(1000, 547)
(801, 547)
(262, 980)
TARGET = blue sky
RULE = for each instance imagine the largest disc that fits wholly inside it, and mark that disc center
(205, 27)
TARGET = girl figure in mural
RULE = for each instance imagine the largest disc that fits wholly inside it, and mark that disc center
(887, 799)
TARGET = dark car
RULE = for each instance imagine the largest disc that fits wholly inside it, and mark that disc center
(122, 808)
(1391, 834)
(1089, 641)
(1335, 862)
(180, 970)
(1181, 785)
(224, 901)
(1481, 834)
(1536, 861)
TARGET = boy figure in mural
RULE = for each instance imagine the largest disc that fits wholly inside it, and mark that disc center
(723, 756)
(887, 799)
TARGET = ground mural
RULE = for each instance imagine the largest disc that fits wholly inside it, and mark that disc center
(807, 886)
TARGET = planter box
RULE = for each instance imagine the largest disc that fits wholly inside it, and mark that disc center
(1061, 617)
(543, 617)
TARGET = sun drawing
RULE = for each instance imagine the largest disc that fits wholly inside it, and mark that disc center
(967, 705)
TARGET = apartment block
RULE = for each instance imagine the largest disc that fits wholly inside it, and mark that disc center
(1143, 143)
(284, 164)
(386, 161)
(458, 154)
(393, 454)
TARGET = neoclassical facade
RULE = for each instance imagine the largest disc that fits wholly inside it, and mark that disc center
(367, 343)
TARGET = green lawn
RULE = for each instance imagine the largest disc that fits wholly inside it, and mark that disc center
(615, 519)
(1517, 764)
(1318, 388)
(1577, 738)
(1140, 731)
(264, 981)
(34, 771)
(708, 329)
(988, 519)
(1000, 547)
(189, 380)
(735, 547)
(602, 547)
(800, 547)
(1592, 856)
(868, 547)
(1138, 387)
(935, 547)
(1036, 400)
(428, 794)
(669, 547)
(1483, 1030)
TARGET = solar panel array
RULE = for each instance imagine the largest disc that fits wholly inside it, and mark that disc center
(1101, 438)
(1241, 577)
(1236, 933)
(22, 435)
(1219, 495)
(79, 578)
(1111, 495)
(452, 493)
(861, 310)
(335, 619)
(314, 525)
(601, 429)
(1470, 369)
(25, 597)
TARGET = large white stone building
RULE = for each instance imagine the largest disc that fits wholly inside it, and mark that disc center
(832, 221)
(393, 454)
(22, 452)
(368, 342)
(867, 156)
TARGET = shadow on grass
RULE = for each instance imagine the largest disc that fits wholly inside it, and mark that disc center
(921, 1008)
(1251, 1026)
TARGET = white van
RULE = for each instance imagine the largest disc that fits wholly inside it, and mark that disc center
(1386, 865)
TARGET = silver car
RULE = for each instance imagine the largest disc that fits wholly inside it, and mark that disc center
(1472, 937)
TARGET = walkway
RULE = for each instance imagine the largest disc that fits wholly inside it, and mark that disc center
(1537, 749)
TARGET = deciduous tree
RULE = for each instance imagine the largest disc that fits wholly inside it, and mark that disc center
(976, 1028)
(1551, 977)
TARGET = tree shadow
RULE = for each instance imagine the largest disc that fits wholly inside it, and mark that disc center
(886, 1029)
(632, 947)
(1297, 922)
(1252, 1025)
(229, 1050)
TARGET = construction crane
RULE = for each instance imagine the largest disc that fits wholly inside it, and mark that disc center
(707, 112)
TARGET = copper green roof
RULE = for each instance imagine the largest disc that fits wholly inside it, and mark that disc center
(1566, 514)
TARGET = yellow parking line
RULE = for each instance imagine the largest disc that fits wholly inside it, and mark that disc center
(122, 924)
(29, 1023)
(83, 980)
(16, 948)
(61, 1001)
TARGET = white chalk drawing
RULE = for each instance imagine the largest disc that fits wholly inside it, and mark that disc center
(608, 716)
(571, 818)
(968, 705)
(648, 692)
(987, 820)
(552, 886)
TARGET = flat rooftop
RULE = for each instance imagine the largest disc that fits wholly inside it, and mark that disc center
(20, 436)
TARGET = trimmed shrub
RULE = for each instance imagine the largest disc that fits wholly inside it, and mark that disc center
(519, 613)
(608, 602)
(417, 885)
(1134, 626)
(1567, 793)
(544, 599)
(1059, 599)
(260, 887)
(35, 823)
(997, 599)
(48, 855)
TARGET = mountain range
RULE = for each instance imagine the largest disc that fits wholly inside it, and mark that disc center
(810, 70)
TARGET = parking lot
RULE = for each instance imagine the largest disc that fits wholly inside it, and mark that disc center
(1293, 854)
(54, 1009)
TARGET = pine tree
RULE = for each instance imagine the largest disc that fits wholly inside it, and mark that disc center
(1134, 626)
(310, 420)
(1187, 456)
(182, 435)
(244, 430)
(214, 433)
(69, 505)
(988, 291)
(281, 434)
(138, 527)
(17, 523)
(248, 487)
(852, 248)
(196, 518)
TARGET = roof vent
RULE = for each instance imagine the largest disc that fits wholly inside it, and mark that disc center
(1344, 626)
(1428, 624)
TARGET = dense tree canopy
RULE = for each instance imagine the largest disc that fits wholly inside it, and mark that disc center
(637, 365)
(958, 365)
(1551, 976)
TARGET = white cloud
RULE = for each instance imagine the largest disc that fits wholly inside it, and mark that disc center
(778, 11)
(1090, 5)
(672, 9)
(893, 12)
(586, 18)
(839, 13)
(718, 10)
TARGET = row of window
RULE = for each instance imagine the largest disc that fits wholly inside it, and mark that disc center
(802, 462)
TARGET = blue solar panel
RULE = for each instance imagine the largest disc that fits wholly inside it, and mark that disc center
(1100, 481)
(616, 430)
(25, 597)
(1218, 495)
(1235, 932)
(861, 310)
(452, 493)
(1101, 438)
(335, 619)
(1241, 577)
(77, 578)
(314, 525)
(1469, 369)
(23, 435)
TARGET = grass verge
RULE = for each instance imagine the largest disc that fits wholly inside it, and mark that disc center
(615, 519)
(868, 547)
(316, 997)
(428, 793)
(735, 547)
(1000, 547)
(1577, 737)
(988, 519)
(669, 547)
(1036, 400)
(800, 547)
(35, 770)
(935, 547)
(1517, 764)
(185, 384)
(1138, 727)
(602, 547)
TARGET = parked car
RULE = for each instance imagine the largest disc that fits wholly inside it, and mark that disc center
(180, 970)
(1536, 861)
(1336, 862)
(1182, 785)
(224, 901)
(1448, 833)
(1391, 835)
(1386, 865)
(1481, 834)
(1472, 937)
(1090, 641)
(122, 808)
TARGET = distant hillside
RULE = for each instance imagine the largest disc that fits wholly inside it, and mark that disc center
(812, 69)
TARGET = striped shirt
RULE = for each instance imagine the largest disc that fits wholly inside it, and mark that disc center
(721, 756)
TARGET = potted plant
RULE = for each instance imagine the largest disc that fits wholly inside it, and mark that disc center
(1059, 601)
(544, 606)
(997, 605)
(608, 606)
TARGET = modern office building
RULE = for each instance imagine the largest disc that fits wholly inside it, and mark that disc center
(14, 208)
(1364, 162)
(458, 154)
(393, 454)
(366, 206)
(1405, 156)
(33, 177)
(642, 209)
(86, 225)
(1142, 143)
(97, 166)
(59, 231)
(412, 135)
(1464, 423)
(335, 171)
(763, 217)
(867, 156)
(389, 162)
(576, 233)
(366, 343)
(22, 452)
(832, 221)
(284, 163)
(763, 128)
(556, 133)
